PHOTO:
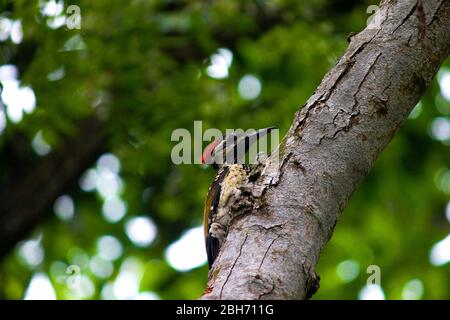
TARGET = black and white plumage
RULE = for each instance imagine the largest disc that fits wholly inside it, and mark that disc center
(226, 187)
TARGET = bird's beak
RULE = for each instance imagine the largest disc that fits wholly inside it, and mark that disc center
(237, 145)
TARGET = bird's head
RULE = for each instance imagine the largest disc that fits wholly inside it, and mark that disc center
(232, 147)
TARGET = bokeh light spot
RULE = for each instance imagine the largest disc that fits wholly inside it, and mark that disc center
(40, 288)
(141, 231)
(16, 34)
(348, 270)
(64, 207)
(249, 87)
(444, 82)
(100, 267)
(447, 211)
(440, 252)
(415, 113)
(8, 72)
(5, 28)
(147, 295)
(413, 290)
(109, 248)
(371, 292)
(88, 181)
(440, 129)
(109, 162)
(126, 285)
(220, 63)
(39, 145)
(52, 8)
(188, 252)
(2, 121)
(31, 253)
(56, 75)
(114, 209)
(17, 99)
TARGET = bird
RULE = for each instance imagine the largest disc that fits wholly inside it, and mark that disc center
(225, 154)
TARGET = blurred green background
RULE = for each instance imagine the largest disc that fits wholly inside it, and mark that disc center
(121, 221)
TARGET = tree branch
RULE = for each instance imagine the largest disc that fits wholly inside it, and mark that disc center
(29, 200)
(272, 250)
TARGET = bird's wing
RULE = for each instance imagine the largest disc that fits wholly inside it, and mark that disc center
(211, 204)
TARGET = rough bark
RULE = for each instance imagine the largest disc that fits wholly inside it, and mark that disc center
(273, 247)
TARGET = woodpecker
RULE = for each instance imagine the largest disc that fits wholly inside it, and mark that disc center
(226, 155)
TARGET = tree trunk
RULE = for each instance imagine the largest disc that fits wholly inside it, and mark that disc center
(272, 248)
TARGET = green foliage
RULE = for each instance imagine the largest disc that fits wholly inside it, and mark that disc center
(141, 66)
